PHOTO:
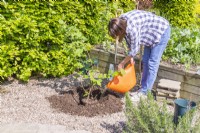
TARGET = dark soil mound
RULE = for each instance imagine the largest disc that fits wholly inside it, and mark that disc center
(74, 102)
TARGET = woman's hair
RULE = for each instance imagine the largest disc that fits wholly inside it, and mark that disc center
(117, 28)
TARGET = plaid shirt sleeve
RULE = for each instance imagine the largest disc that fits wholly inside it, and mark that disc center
(143, 28)
(133, 42)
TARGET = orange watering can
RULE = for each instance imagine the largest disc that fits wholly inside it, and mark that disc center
(126, 82)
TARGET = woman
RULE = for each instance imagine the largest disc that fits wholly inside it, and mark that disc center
(142, 28)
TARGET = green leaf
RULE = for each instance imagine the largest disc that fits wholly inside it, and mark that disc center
(116, 73)
(122, 72)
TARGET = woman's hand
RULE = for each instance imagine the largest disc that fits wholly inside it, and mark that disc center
(125, 60)
(120, 66)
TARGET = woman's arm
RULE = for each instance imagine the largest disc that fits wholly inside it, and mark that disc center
(124, 61)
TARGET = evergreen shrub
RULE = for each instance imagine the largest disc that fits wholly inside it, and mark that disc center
(180, 13)
(51, 37)
(148, 116)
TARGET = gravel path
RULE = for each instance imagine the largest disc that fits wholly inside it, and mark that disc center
(27, 103)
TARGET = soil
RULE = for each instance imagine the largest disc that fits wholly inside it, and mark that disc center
(75, 103)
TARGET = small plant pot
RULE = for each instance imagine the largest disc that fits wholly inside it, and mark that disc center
(181, 107)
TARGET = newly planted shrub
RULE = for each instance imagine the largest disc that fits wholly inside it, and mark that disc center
(91, 79)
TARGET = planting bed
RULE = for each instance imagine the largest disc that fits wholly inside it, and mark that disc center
(74, 102)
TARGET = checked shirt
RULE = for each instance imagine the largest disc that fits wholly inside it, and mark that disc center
(143, 28)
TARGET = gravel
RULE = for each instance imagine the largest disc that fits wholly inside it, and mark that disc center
(26, 102)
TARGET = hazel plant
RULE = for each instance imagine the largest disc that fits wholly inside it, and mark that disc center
(92, 77)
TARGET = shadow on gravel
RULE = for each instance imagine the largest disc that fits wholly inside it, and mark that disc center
(7, 81)
(64, 83)
(114, 128)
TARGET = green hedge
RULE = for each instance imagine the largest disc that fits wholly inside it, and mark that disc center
(180, 13)
(51, 37)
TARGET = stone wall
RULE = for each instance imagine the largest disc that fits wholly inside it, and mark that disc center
(190, 81)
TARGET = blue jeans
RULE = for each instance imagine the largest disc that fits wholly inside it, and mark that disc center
(151, 60)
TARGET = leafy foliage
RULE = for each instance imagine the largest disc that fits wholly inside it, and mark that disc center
(197, 11)
(120, 72)
(51, 37)
(180, 13)
(150, 117)
(184, 46)
(36, 39)
(93, 77)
